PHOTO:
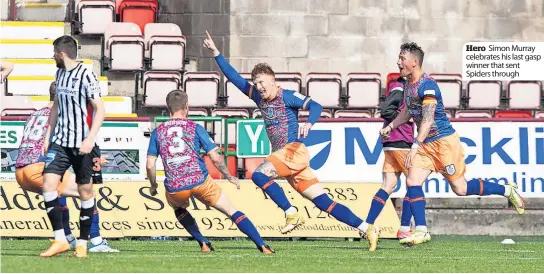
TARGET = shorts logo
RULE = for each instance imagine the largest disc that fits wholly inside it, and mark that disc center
(50, 157)
(450, 169)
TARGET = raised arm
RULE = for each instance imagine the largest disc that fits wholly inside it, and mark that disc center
(231, 73)
(233, 76)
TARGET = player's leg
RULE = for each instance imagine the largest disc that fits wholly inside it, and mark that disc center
(389, 183)
(480, 187)
(30, 178)
(83, 167)
(67, 188)
(98, 244)
(454, 170)
(179, 201)
(210, 193)
(397, 165)
(376, 206)
(392, 167)
(264, 177)
(287, 162)
(57, 162)
(421, 167)
(405, 218)
(315, 193)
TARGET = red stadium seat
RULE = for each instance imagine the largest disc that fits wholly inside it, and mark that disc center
(524, 94)
(165, 46)
(15, 105)
(484, 94)
(227, 113)
(202, 88)
(117, 5)
(513, 114)
(157, 85)
(345, 113)
(250, 164)
(94, 16)
(325, 88)
(234, 97)
(289, 80)
(363, 90)
(473, 114)
(140, 12)
(17, 111)
(123, 47)
(393, 76)
(446, 76)
(451, 87)
(326, 113)
(199, 112)
(451, 92)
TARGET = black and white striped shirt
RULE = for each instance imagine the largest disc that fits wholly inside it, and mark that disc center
(75, 89)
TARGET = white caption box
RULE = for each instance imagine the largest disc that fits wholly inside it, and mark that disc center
(503, 61)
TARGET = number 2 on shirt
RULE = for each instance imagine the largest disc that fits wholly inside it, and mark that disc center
(178, 145)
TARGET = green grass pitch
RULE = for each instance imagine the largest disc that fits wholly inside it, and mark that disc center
(443, 254)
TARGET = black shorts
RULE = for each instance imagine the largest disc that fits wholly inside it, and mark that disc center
(59, 159)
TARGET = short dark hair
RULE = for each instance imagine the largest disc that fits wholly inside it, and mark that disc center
(67, 45)
(176, 100)
(52, 91)
(414, 49)
(262, 68)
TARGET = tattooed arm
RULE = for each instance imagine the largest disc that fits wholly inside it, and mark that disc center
(218, 162)
(427, 120)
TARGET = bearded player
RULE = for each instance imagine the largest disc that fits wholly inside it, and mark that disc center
(437, 147)
(29, 167)
(290, 158)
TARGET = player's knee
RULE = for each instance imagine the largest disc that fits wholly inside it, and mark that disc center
(85, 192)
(389, 188)
(410, 181)
(50, 182)
(323, 202)
(389, 184)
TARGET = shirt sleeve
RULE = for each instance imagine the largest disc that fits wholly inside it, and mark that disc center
(390, 106)
(429, 92)
(153, 149)
(206, 142)
(242, 84)
(91, 85)
(295, 99)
